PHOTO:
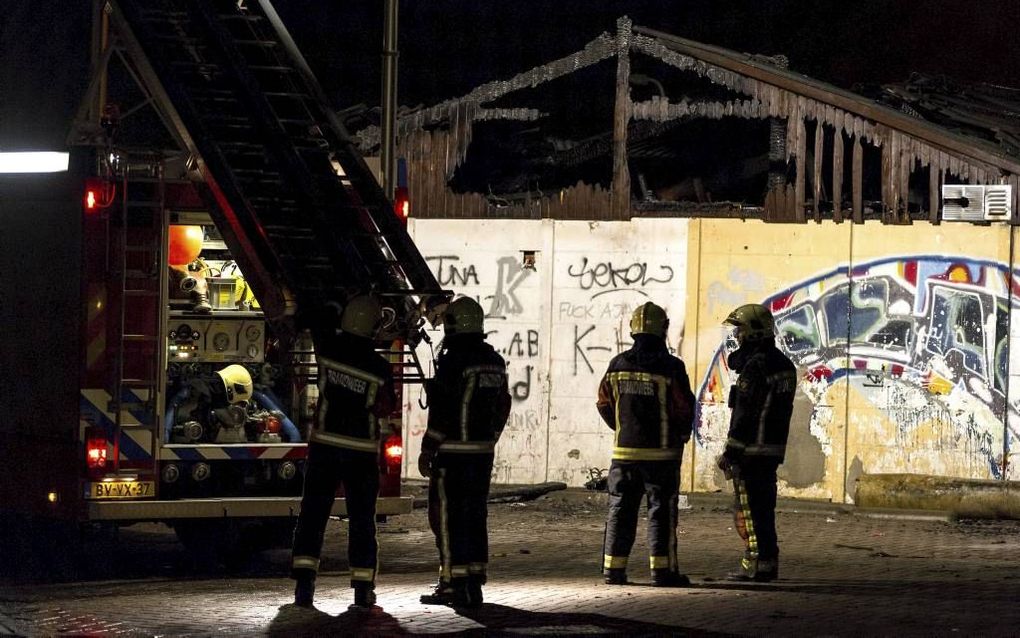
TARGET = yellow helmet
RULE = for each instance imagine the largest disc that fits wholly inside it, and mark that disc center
(237, 382)
(463, 316)
(753, 322)
(649, 319)
(361, 316)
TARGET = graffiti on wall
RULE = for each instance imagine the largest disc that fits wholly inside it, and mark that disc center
(924, 339)
(557, 324)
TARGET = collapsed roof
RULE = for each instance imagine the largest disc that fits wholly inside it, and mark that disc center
(643, 122)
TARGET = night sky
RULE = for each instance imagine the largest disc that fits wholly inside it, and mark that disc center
(447, 47)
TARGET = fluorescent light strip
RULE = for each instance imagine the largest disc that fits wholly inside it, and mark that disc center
(33, 162)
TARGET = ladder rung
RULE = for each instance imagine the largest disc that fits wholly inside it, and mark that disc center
(138, 338)
(271, 67)
(138, 383)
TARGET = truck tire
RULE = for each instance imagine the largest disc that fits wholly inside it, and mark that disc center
(232, 542)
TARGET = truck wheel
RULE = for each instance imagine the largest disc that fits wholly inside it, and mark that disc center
(233, 542)
(213, 542)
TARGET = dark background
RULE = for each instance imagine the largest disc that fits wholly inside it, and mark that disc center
(447, 47)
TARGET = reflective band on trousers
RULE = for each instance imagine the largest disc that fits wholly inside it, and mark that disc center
(614, 562)
(349, 442)
(362, 573)
(305, 562)
(645, 454)
(659, 562)
(467, 447)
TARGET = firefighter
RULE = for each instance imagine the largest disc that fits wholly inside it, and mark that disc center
(355, 389)
(469, 403)
(645, 396)
(762, 403)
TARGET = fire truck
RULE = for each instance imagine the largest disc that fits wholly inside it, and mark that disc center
(221, 206)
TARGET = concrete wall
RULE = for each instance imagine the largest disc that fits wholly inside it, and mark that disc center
(557, 325)
(902, 335)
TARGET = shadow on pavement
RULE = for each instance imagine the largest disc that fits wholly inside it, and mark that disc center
(500, 620)
(292, 620)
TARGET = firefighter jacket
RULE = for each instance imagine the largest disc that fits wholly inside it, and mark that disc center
(646, 397)
(355, 390)
(469, 399)
(762, 403)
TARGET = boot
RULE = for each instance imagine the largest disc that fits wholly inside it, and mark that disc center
(756, 570)
(473, 591)
(304, 592)
(364, 595)
(615, 576)
(453, 594)
(442, 594)
(669, 578)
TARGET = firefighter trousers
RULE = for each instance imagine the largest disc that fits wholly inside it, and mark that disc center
(754, 488)
(629, 483)
(326, 468)
(458, 491)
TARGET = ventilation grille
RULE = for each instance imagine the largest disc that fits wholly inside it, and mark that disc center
(977, 203)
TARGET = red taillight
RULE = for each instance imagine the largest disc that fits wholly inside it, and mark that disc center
(95, 449)
(401, 203)
(393, 451)
(98, 194)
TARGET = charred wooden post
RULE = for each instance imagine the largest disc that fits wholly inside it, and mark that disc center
(934, 193)
(817, 176)
(800, 163)
(621, 117)
(837, 176)
(858, 181)
(777, 158)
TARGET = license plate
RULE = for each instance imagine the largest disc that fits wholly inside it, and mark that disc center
(120, 489)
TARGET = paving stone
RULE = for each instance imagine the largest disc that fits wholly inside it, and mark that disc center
(842, 575)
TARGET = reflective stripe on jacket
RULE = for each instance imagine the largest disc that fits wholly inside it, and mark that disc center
(645, 396)
(355, 390)
(762, 402)
(469, 398)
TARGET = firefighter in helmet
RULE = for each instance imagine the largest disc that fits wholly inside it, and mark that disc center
(355, 390)
(762, 403)
(469, 403)
(645, 396)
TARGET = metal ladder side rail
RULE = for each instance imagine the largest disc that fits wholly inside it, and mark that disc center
(129, 298)
(369, 253)
(368, 193)
(278, 142)
(213, 64)
(253, 251)
(187, 87)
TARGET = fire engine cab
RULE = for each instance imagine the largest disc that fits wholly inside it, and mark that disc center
(222, 205)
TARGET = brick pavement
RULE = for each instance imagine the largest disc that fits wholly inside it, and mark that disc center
(842, 574)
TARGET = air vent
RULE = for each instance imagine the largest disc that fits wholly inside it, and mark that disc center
(998, 202)
(977, 203)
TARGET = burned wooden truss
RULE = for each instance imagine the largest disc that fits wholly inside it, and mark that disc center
(823, 152)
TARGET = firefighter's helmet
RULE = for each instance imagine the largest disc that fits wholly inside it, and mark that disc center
(361, 316)
(237, 382)
(649, 319)
(753, 322)
(463, 316)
